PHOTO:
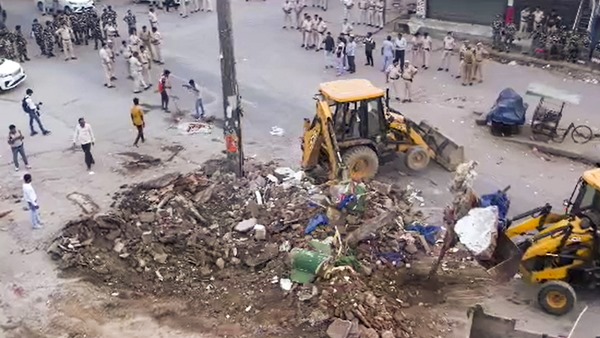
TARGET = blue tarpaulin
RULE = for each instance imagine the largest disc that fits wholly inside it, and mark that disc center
(499, 199)
(509, 109)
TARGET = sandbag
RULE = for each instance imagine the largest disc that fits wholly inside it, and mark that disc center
(478, 231)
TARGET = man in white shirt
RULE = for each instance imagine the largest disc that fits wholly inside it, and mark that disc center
(33, 111)
(84, 136)
(106, 65)
(196, 89)
(351, 55)
(400, 50)
(349, 10)
(30, 197)
(538, 18)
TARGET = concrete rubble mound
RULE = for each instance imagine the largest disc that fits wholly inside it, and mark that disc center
(200, 233)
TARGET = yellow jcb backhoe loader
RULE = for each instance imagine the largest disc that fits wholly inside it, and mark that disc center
(557, 251)
(354, 128)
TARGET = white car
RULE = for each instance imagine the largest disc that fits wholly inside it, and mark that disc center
(11, 74)
(64, 5)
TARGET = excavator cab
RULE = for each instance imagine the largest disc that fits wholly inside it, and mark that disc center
(354, 128)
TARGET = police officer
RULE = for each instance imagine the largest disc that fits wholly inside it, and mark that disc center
(321, 30)
(509, 36)
(480, 54)
(306, 32)
(130, 20)
(21, 44)
(95, 28)
(380, 7)
(371, 8)
(65, 33)
(287, 14)
(49, 39)
(497, 27)
(107, 65)
(362, 12)
(298, 9)
(38, 33)
(314, 35)
(146, 37)
(467, 66)
(156, 40)
(136, 68)
(145, 58)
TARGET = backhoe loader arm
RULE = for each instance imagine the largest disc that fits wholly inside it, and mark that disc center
(319, 139)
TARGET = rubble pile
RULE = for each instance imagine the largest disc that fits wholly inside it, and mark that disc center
(176, 234)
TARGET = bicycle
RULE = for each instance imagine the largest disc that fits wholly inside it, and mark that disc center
(580, 134)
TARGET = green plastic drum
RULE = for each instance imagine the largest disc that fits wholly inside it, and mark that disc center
(306, 264)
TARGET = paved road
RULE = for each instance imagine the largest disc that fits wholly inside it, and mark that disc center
(277, 81)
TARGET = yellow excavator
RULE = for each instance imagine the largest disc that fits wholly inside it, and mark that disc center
(354, 129)
(557, 251)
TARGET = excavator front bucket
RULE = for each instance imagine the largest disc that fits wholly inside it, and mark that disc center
(447, 152)
(482, 325)
(505, 261)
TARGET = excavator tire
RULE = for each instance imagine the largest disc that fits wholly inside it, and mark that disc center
(557, 297)
(417, 158)
(362, 162)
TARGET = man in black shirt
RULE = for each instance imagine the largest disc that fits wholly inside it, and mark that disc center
(329, 47)
(369, 46)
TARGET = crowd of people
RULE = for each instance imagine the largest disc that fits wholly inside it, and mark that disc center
(550, 38)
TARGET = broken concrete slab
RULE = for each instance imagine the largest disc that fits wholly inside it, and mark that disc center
(339, 328)
(260, 232)
(160, 182)
(147, 217)
(245, 225)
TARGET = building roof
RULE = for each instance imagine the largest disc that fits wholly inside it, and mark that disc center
(592, 177)
(350, 90)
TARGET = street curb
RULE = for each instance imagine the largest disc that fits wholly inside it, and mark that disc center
(548, 149)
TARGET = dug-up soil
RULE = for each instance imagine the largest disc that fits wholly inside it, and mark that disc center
(175, 247)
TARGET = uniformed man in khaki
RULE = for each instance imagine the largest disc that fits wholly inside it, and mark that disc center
(480, 54)
(66, 35)
(380, 7)
(107, 65)
(110, 48)
(461, 58)
(288, 7)
(349, 10)
(363, 6)
(145, 58)
(467, 67)
(321, 30)
(427, 48)
(127, 54)
(145, 36)
(394, 73)
(449, 45)
(298, 9)
(315, 33)
(408, 76)
(371, 9)
(134, 41)
(156, 40)
(136, 69)
(306, 32)
(196, 6)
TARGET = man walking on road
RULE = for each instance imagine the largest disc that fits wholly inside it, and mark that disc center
(15, 141)
(329, 43)
(30, 197)
(387, 50)
(32, 110)
(107, 66)
(137, 117)
(163, 85)
(84, 136)
(351, 55)
(369, 47)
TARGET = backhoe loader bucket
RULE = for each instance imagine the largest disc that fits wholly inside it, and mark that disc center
(505, 261)
(482, 325)
(447, 153)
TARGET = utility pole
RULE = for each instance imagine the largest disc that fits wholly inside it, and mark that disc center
(232, 124)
